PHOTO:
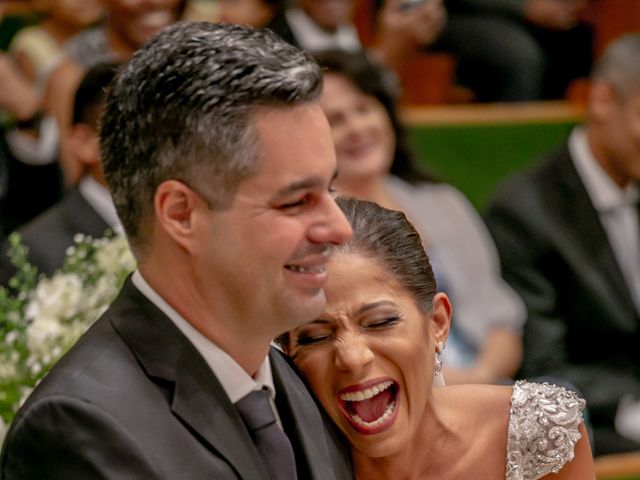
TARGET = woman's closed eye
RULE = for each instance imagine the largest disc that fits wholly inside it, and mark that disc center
(382, 322)
(311, 338)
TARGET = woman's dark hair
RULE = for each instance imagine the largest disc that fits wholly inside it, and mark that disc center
(381, 84)
(389, 238)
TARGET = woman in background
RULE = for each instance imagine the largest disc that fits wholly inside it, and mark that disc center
(375, 164)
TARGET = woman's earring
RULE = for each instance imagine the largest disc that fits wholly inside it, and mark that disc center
(438, 365)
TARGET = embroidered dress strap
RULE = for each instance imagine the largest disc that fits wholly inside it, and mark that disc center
(543, 429)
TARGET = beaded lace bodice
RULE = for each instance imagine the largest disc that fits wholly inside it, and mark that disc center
(543, 429)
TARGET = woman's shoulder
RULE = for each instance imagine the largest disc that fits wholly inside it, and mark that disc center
(543, 430)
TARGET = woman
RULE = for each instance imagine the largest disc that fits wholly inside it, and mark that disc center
(373, 354)
(375, 164)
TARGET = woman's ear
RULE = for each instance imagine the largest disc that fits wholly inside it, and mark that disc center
(441, 317)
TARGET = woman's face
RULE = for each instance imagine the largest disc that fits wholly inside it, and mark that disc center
(255, 13)
(136, 21)
(370, 357)
(361, 130)
(77, 13)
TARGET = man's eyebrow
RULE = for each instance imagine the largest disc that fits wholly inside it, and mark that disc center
(312, 182)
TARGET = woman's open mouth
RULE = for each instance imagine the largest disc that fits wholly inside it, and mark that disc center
(370, 407)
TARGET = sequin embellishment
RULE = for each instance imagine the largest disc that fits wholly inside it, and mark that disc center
(543, 429)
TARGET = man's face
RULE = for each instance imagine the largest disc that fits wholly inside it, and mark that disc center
(329, 14)
(264, 257)
(621, 138)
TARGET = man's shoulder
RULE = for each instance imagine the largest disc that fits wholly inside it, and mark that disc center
(530, 187)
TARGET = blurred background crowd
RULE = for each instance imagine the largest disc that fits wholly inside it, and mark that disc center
(544, 275)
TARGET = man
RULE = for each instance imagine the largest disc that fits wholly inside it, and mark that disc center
(404, 28)
(86, 209)
(567, 234)
(220, 164)
(127, 26)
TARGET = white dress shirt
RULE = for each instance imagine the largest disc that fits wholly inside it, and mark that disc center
(313, 38)
(100, 200)
(617, 208)
(235, 381)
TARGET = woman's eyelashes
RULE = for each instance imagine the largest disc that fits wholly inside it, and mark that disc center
(375, 324)
(383, 322)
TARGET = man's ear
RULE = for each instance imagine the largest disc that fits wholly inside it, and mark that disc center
(175, 207)
(602, 100)
(441, 317)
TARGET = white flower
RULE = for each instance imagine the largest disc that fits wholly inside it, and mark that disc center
(58, 297)
(44, 332)
(49, 316)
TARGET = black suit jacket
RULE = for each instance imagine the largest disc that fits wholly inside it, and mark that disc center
(135, 400)
(582, 323)
(49, 235)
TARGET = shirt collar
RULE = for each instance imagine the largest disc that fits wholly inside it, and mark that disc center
(313, 38)
(235, 381)
(100, 200)
(605, 194)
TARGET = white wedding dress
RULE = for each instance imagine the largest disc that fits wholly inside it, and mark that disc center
(543, 430)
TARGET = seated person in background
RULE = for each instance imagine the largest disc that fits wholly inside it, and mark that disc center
(38, 48)
(517, 50)
(86, 209)
(29, 183)
(253, 13)
(376, 164)
(373, 359)
(128, 25)
(567, 235)
(318, 25)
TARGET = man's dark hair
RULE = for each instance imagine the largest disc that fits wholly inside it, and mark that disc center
(620, 65)
(91, 93)
(181, 109)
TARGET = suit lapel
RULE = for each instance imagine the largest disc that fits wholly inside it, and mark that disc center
(584, 220)
(302, 421)
(198, 398)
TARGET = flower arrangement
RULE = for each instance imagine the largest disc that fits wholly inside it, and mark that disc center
(42, 317)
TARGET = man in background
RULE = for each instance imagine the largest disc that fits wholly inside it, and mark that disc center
(568, 238)
(87, 209)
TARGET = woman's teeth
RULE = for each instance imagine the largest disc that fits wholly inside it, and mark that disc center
(379, 421)
(366, 394)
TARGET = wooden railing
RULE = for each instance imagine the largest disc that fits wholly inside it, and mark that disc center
(618, 467)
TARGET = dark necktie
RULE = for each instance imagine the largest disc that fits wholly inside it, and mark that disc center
(272, 443)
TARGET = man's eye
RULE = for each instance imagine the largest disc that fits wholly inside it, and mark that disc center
(382, 322)
(298, 203)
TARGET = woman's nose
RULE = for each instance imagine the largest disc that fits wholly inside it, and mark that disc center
(352, 354)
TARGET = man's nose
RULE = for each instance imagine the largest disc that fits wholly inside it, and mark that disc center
(333, 227)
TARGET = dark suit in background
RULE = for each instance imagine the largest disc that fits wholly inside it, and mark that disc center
(49, 235)
(161, 412)
(582, 323)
